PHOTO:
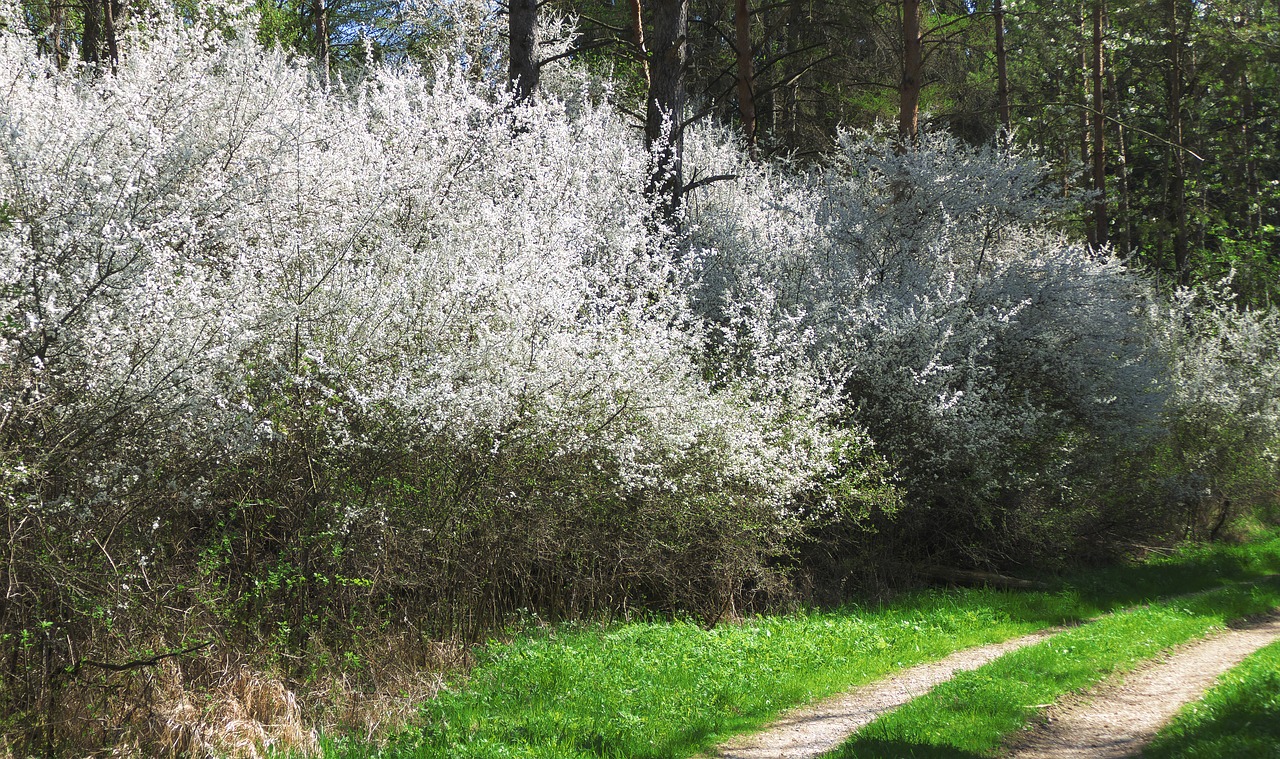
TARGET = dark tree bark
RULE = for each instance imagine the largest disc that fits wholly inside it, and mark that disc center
(1002, 71)
(1100, 234)
(320, 19)
(96, 35)
(111, 10)
(1177, 201)
(1086, 155)
(91, 40)
(912, 71)
(786, 96)
(55, 35)
(1125, 234)
(743, 53)
(664, 106)
(522, 69)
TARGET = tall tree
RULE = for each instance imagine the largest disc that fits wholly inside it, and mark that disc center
(912, 74)
(1002, 71)
(1124, 235)
(320, 17)
(1099, 233)
(91, 39)
(523, 65)
(746, 74)
(1177, 167)
(641, 50)
(665, 105)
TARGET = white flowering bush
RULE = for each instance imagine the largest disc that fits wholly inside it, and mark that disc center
(1222, 457)
(1002, 369)
(288, 354)
(284, 361)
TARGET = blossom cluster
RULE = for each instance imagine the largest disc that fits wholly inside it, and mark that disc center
(1008, 372)
(192, 237)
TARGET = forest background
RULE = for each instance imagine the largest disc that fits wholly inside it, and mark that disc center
(334, 335)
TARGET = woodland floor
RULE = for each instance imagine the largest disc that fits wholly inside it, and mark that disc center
(1115, 719)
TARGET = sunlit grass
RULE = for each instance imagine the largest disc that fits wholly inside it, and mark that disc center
(663, 689)
(975, 712)
(671, 689)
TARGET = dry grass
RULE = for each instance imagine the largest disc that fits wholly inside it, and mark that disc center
(396, 675)
(222, 704)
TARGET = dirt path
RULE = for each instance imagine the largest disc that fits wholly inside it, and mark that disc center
(1117, 720)
(818, 728)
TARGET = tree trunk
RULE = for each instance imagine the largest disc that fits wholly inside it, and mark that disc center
(978, 579)
(1178, 162)
(637, 20)
(110, 10)
(522, 67)
(912, 68)
(793, 70)
(783, 100)
(743, 52)
(56, 20)
(664, 106)
(1125, 225)
(320, 18)
(1002, 72)
(91, 41)
(1100, 234)
(1086, 155)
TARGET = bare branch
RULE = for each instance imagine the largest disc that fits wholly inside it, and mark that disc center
(140, 663)
(708, 180)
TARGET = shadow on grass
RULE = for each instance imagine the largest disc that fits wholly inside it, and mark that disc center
(1238, 731)
(1077, 596)
(1198, 569)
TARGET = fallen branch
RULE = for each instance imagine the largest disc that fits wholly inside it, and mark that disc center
(974, 577)
(140, 663)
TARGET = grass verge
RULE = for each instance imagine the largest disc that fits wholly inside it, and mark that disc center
(671, 689)
(1238, 717)
(975, 712)
(666, 689)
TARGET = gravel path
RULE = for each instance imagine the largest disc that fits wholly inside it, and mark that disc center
(818, 728)
(1117, 720)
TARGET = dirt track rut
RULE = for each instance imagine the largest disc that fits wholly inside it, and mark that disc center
(1118, 719)
(820, 727)
(1112, 721)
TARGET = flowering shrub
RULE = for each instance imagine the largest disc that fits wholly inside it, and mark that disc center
(295, 357)
(1222, 458)
(1001, 368)
(283, 362)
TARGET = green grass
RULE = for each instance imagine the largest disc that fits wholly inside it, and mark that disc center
(1191, 568)
(664, 689)
(975, 712)
(670, 689)
(1239, 717)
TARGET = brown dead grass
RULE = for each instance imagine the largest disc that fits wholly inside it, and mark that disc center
(395, 676)
(228, 704)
